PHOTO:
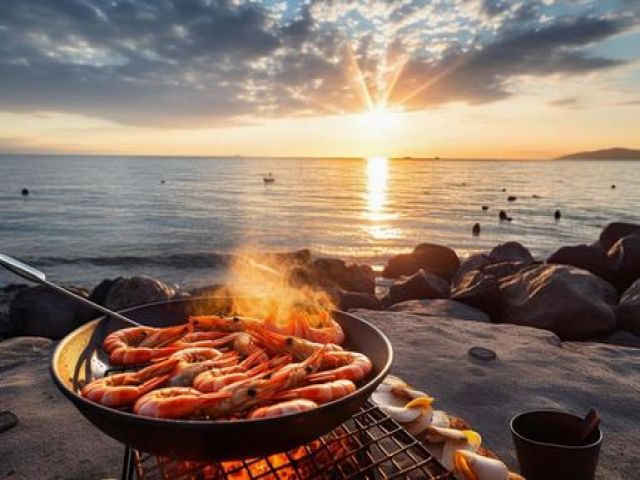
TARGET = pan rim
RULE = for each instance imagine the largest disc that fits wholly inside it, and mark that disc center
(187, 423)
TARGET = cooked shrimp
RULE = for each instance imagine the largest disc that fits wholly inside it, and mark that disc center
(321, 392)
(135, 345)
(283, 408)
(300, 348)
(344, 365)
(121, 389)
(329, 331)
(176, 402)
(186, 364)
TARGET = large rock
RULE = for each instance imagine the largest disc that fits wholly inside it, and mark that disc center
(420, 285)
(510, 252)
(476, 261)
(441, 308)
(571, 302)
(350, 300)
(42, 312)
(628, 310)
(615, 231)
(351, 277)
(6, 297)
(625, 254)
(532, 371)
(122, 292)
(503, 270)
(587, 257)
(480, 291)
(436, 259)
(52, 439)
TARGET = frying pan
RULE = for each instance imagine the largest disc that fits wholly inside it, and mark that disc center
(79, 358)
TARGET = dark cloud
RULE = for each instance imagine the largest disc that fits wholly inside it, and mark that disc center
(208, 62)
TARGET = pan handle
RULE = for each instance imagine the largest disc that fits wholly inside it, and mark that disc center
(34, 275)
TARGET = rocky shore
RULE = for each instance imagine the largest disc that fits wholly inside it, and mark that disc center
(583, 302)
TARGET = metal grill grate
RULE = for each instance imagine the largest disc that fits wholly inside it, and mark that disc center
(368, 446)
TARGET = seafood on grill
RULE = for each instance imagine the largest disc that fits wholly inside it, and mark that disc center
(471, 466)
(216, 367)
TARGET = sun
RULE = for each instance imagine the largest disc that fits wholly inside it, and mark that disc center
(379, 118)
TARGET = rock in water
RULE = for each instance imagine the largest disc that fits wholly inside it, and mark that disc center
(588, 257)
(503, 215)
(628, 310)
(615, 231)
(479, 291)
(436, 259)
(41, 312)
(485, 208)
(441, 308)
(24, 192)
(129, 292)
(510, 252)
(613, 187)
(476, 229)
(420, 285)
(557, 215)
(625, 255)
(511, 198)
(573, 303)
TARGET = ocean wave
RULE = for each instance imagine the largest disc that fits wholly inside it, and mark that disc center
(179, 260)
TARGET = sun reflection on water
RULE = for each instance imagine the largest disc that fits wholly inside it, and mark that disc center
(377, 214)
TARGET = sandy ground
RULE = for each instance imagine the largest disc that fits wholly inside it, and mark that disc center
(533, 370)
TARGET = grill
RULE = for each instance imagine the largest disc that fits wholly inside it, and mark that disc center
(370, 445)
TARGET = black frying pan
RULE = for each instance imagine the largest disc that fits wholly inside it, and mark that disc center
(79, 357)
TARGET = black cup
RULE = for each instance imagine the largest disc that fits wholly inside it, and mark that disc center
(548, 446)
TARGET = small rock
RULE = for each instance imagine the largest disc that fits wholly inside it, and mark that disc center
(511, 198)
(535, 196)
(504, 189)
(483, 354)
(131, 291)
(162, 182)
(503, 215)
(420, 285)
(614, 232)
(476, 229)
(557, 215)
(613, 187)
(510, 252)
(25, 192)
(8, 420)
(485, 208)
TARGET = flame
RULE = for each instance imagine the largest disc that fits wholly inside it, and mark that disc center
(275, 287)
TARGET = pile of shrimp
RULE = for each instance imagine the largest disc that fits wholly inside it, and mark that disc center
(216, 367)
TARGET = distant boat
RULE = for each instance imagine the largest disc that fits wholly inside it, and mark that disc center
(268, 178)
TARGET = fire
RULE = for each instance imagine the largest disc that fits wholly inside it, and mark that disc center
(272, 287)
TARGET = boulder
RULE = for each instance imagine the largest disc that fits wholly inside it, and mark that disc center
(125, 292)
(441, 308)
(505, 269)
(628, 310)
(42, 312)
(532, 371)
(480, 291)
(436, 259)
(591, 258)
(510, 252)
(625, 255)
(420, 285)
(573, 303)
(349, 300)
(6, 297)
(351, 277)
(476, 261)
(614, 232)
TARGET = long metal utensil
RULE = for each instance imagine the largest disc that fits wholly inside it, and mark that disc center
(30, 273)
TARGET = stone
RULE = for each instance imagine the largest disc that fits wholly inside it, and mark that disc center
(99, 293)
(625, 254)
(420, 285)
(502, 215)
(349, 300)
(351, 277)
(476, 261)
(623, 338)
(587, 257)
(573, 303)
(127, 292)
(6, 297)
(615, 231)
(485, 208)
(532, 371)
(476, 229)
(511, 198)
(481, 353)
(503, 270)
(557, 215)
(42, 312)
(436, 259)
(480, 291)
(628, 310)
(441, 308)
(510, 252)
(8, 420)
(24, 192)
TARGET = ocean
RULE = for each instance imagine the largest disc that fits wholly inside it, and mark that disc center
(180, 219)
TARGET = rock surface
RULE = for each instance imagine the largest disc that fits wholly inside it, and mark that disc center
(129, 292)
(533, 370)
(349, 300)
(41, 312)
(591, 258)
(573, 303)
(510, 252)
(480, 291)
(351, 277)
(52, 439)
(436, 259)
(628, 310)
(615, 231)
(441, 308)
(625, 255)
(420, 285)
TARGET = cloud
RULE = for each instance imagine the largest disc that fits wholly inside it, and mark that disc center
(567, 102)
(215, 62)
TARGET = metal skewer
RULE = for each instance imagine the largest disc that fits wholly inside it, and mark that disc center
(33, 274)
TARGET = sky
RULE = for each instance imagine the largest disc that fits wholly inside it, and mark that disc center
(447, 78)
